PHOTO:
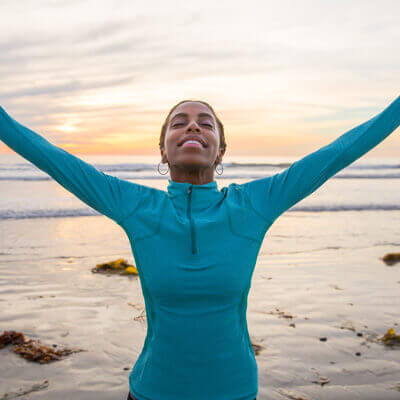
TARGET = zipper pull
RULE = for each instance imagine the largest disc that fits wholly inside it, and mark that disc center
(189, 189)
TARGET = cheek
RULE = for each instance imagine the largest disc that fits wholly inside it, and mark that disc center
(213, 139)
(172, 137)
(171, 141)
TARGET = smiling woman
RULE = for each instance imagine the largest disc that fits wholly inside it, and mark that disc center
(192, 142)
(195, 245)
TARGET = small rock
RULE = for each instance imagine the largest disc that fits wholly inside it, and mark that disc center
(323, 339)
(391, 258)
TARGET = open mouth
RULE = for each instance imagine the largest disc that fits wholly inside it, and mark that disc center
(192, 140)
(192, 143)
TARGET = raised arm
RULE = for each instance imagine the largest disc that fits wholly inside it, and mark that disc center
(109, 195)
(273, 195)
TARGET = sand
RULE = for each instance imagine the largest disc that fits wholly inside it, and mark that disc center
(323, 269)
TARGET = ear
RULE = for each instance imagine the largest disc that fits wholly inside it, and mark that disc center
(221, 154)
(163, 156)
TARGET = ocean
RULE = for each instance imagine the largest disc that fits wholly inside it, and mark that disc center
(367, 184)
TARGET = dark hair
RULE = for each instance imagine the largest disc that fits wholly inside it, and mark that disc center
(219, 123)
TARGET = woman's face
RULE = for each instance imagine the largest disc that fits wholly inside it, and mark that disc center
(192, 120)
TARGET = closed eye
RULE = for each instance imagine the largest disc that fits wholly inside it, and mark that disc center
(175, 125)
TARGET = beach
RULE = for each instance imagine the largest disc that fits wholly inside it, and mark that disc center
(319, 274)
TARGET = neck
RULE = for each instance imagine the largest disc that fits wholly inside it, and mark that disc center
(198, 177)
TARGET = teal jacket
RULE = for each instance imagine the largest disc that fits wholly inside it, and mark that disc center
(195, 247)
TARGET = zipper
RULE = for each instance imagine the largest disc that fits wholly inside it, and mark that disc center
(192, 231)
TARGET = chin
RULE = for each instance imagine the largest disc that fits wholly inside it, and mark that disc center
(193, 160)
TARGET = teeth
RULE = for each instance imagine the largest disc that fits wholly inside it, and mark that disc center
(192, 141)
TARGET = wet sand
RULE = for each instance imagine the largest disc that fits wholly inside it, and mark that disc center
(322, 269)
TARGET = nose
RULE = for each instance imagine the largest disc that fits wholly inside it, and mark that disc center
(193, 127)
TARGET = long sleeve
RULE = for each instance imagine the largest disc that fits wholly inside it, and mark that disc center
(273, 195)
(109, 195)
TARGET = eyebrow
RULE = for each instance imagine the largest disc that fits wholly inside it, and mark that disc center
(185, 115)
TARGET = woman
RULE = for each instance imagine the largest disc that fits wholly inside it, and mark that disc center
(196, 246)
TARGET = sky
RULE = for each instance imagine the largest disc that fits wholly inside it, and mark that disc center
(284, 77)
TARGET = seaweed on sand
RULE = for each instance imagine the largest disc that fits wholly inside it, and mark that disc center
(390, 338)
(119, 266)
(33, 350)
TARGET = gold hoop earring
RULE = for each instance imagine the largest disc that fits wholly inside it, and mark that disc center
(160, 171)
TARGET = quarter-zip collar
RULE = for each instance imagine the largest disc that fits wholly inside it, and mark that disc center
(175, 188)
(202, 196)
(190, 201)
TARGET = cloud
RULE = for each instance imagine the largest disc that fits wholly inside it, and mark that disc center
(291, 62)
(65, 88)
